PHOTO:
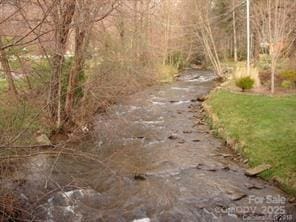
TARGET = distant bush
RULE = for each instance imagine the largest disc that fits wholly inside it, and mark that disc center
(176, 59)
(265, 77)
(167, 73)
(289, 75)
(287, 84)
(245, 83)
(264, 62)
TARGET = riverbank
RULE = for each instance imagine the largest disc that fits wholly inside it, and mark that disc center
(22, 118)
(262, 128)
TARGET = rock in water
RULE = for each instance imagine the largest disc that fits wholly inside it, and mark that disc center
(139, 177)
(181, 141)
(142, 220)
(201, 166)
(257, 170)
(43, 140)
(173, 137)
(201, 98)
(187, 131)
(235, 195)
(226, 155)
(251, 186)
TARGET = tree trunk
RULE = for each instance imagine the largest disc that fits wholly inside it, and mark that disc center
(273, 70)
(55, 83)
(80, 46)
(6, 68)
(135, 43)
(24, 70)
(61, 36)
(167, 31)
(234, 32)
(256, 51)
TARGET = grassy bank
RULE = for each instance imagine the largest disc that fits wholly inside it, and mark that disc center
(265, 127)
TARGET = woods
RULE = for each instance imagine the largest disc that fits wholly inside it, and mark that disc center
(79, 43)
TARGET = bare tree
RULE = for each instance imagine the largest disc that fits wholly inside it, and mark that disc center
(275, 23)
(62, 17)
(279, 31)
(205, 34)
(234, 30)
(7, 70)
(85, 17)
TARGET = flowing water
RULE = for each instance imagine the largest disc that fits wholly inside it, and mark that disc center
(149, 158)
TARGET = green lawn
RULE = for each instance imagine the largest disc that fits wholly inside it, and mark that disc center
(266, 126)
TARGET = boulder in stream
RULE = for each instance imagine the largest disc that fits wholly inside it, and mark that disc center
(142, 220)
(172, 137)
(235, 195)
(202, 98)
(140, 177)
(257, 170)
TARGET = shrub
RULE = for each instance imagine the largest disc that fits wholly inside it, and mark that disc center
(265, 77)
(289, 75)
(245, 83)
(177, 60)
(14, 117)
(287, 84)
(167, 73)
(264, 62)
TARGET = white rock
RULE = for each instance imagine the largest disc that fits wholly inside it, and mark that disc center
(85, 129)
(43, 140)
(142, 220)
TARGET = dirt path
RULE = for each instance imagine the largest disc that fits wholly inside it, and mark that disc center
(149, 158)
